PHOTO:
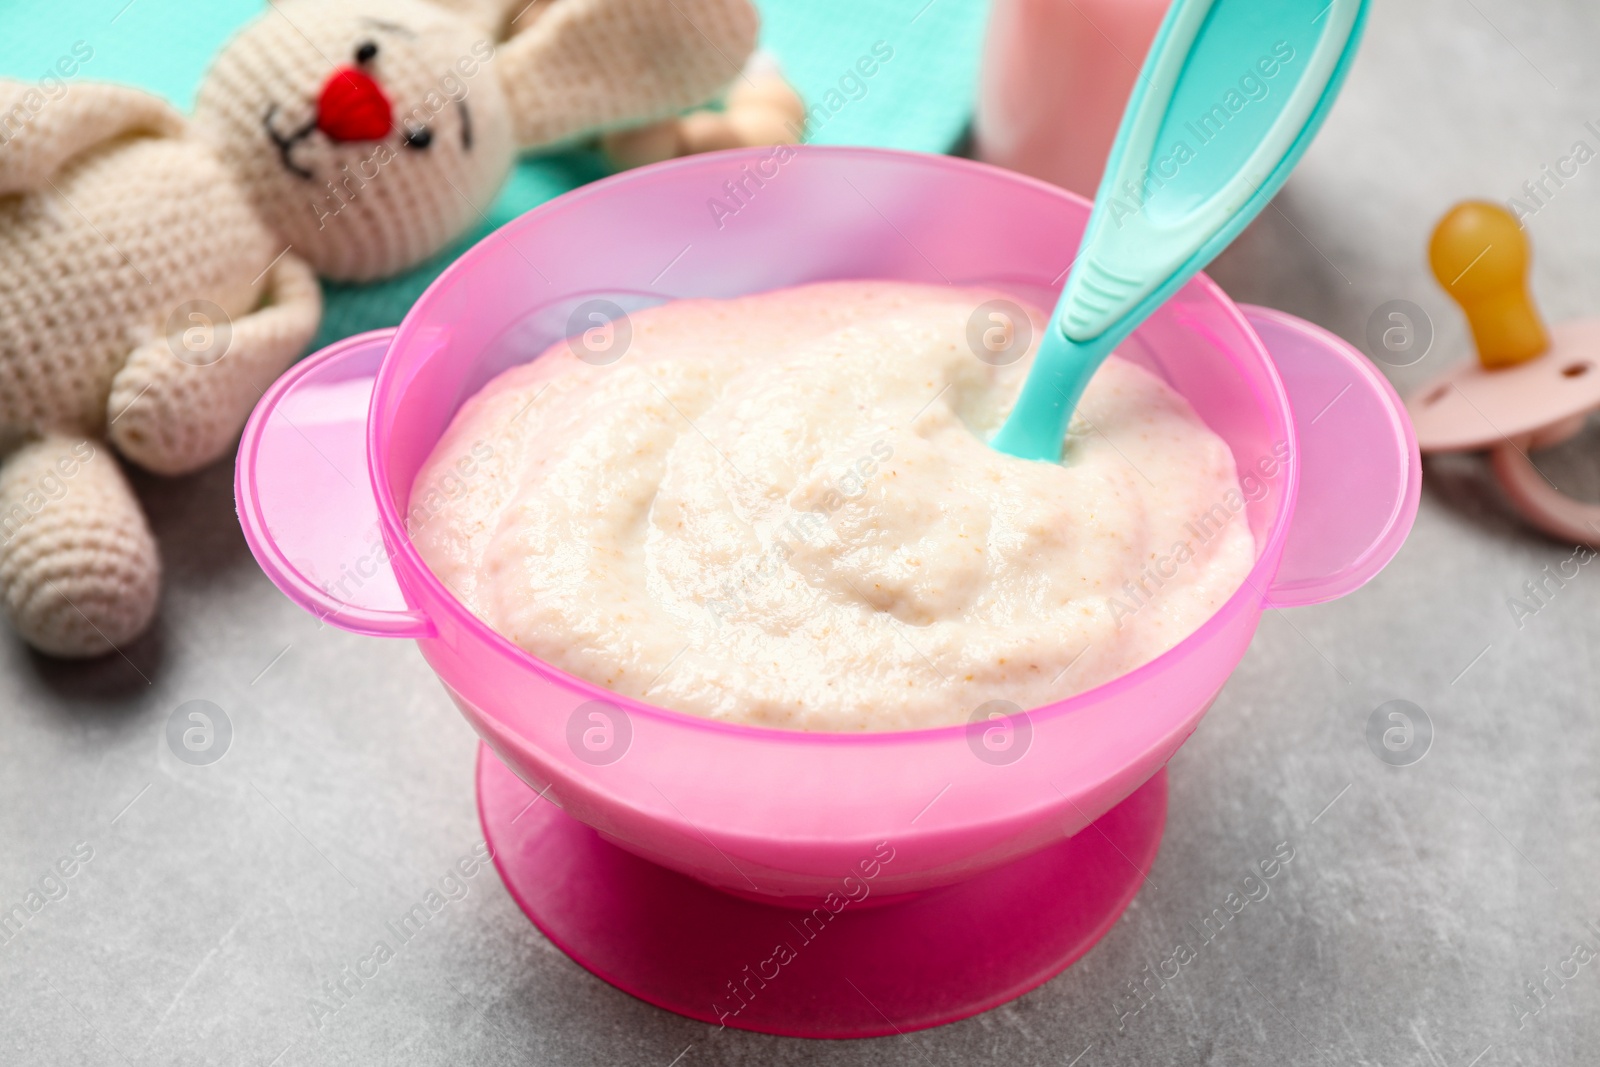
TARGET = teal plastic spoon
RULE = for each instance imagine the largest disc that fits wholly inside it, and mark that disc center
(1230, 96)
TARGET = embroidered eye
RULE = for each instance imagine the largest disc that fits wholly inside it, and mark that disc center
(366, 52)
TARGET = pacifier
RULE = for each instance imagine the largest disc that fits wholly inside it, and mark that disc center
(1528, 388)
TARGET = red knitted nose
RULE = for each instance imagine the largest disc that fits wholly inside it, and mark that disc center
(353, 108)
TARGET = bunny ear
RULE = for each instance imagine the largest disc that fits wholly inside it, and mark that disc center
(492, 15)
(593, 65)
(41, 128)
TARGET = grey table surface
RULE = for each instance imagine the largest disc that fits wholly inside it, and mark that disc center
(1422, 901)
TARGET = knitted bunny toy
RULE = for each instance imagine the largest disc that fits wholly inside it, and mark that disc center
(156, 274)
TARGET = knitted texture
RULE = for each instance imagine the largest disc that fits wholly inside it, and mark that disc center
(124, 221)
(97, 113)
(359, 210)
(174, 416)
(597, 64)
(155, 276)
(94, 262)
(116, 219)
(78, 567)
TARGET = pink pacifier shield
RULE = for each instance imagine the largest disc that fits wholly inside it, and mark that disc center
(1471, 407)
(861, 972)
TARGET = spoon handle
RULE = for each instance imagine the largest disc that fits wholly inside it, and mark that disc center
(1230, 97)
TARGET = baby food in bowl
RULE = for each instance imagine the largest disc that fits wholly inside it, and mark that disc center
(780, 510)
(964, 851)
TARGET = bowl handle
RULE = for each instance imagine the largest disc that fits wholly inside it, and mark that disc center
(1360, 472)
(305, 495)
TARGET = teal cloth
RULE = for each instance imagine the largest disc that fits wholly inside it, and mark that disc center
(921, 99)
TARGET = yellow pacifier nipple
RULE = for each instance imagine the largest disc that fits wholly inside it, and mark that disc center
(1480, 256)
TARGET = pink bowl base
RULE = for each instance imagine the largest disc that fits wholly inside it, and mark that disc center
(870, 971)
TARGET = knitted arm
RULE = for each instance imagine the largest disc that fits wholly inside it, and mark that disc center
(39, 132)
(598, 64)
(172, 415)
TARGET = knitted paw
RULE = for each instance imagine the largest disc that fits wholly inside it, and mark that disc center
(168, 417)
(763, 108)
(178, 402)
(79, 572)
(767, 113)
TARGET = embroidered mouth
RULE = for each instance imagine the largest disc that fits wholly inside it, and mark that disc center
(416, 137)
(286, 145)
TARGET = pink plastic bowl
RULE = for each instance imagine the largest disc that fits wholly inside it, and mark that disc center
(328, 459)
